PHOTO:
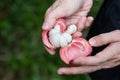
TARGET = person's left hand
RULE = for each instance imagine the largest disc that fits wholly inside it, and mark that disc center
(108, 58)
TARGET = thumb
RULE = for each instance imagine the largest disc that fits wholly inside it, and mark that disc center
(105, 38)
(51, 16)
(64, 8)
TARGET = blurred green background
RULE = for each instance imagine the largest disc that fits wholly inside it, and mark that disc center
(22, 55)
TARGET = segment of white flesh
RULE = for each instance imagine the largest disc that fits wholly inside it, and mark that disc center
(68, 37)
(59, 39)
(55, 39)
(55, 30)
(63, 41)
(71, 29)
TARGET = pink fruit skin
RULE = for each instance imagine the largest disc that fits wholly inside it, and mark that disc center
(45, 38)
(50, 48)
(79, 47)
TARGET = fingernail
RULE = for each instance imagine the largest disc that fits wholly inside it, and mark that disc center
(92, 42)
(45, 26)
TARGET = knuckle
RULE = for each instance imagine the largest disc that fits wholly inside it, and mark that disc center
(101, 36)
(101, 39)
(118, 31)
(98, 60)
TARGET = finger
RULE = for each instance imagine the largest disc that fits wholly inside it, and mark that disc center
(100, 57)
(52, 14)
(55, 4)
(89, 21)
(86, 7)
(111, 63)
(105, 38)
(50, 20)
(110, 52)
(63, 9)
(71, 20)
(77, 34)
(78, 70)
(81, 23)
(92, 60)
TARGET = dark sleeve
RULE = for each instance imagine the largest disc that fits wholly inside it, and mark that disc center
(108, 19)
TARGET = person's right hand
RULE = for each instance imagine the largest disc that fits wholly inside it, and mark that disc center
(73, 11)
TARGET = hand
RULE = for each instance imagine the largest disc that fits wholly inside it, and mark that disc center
(74, 11)
(108, 58)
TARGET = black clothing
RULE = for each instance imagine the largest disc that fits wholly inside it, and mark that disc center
(108, 19)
